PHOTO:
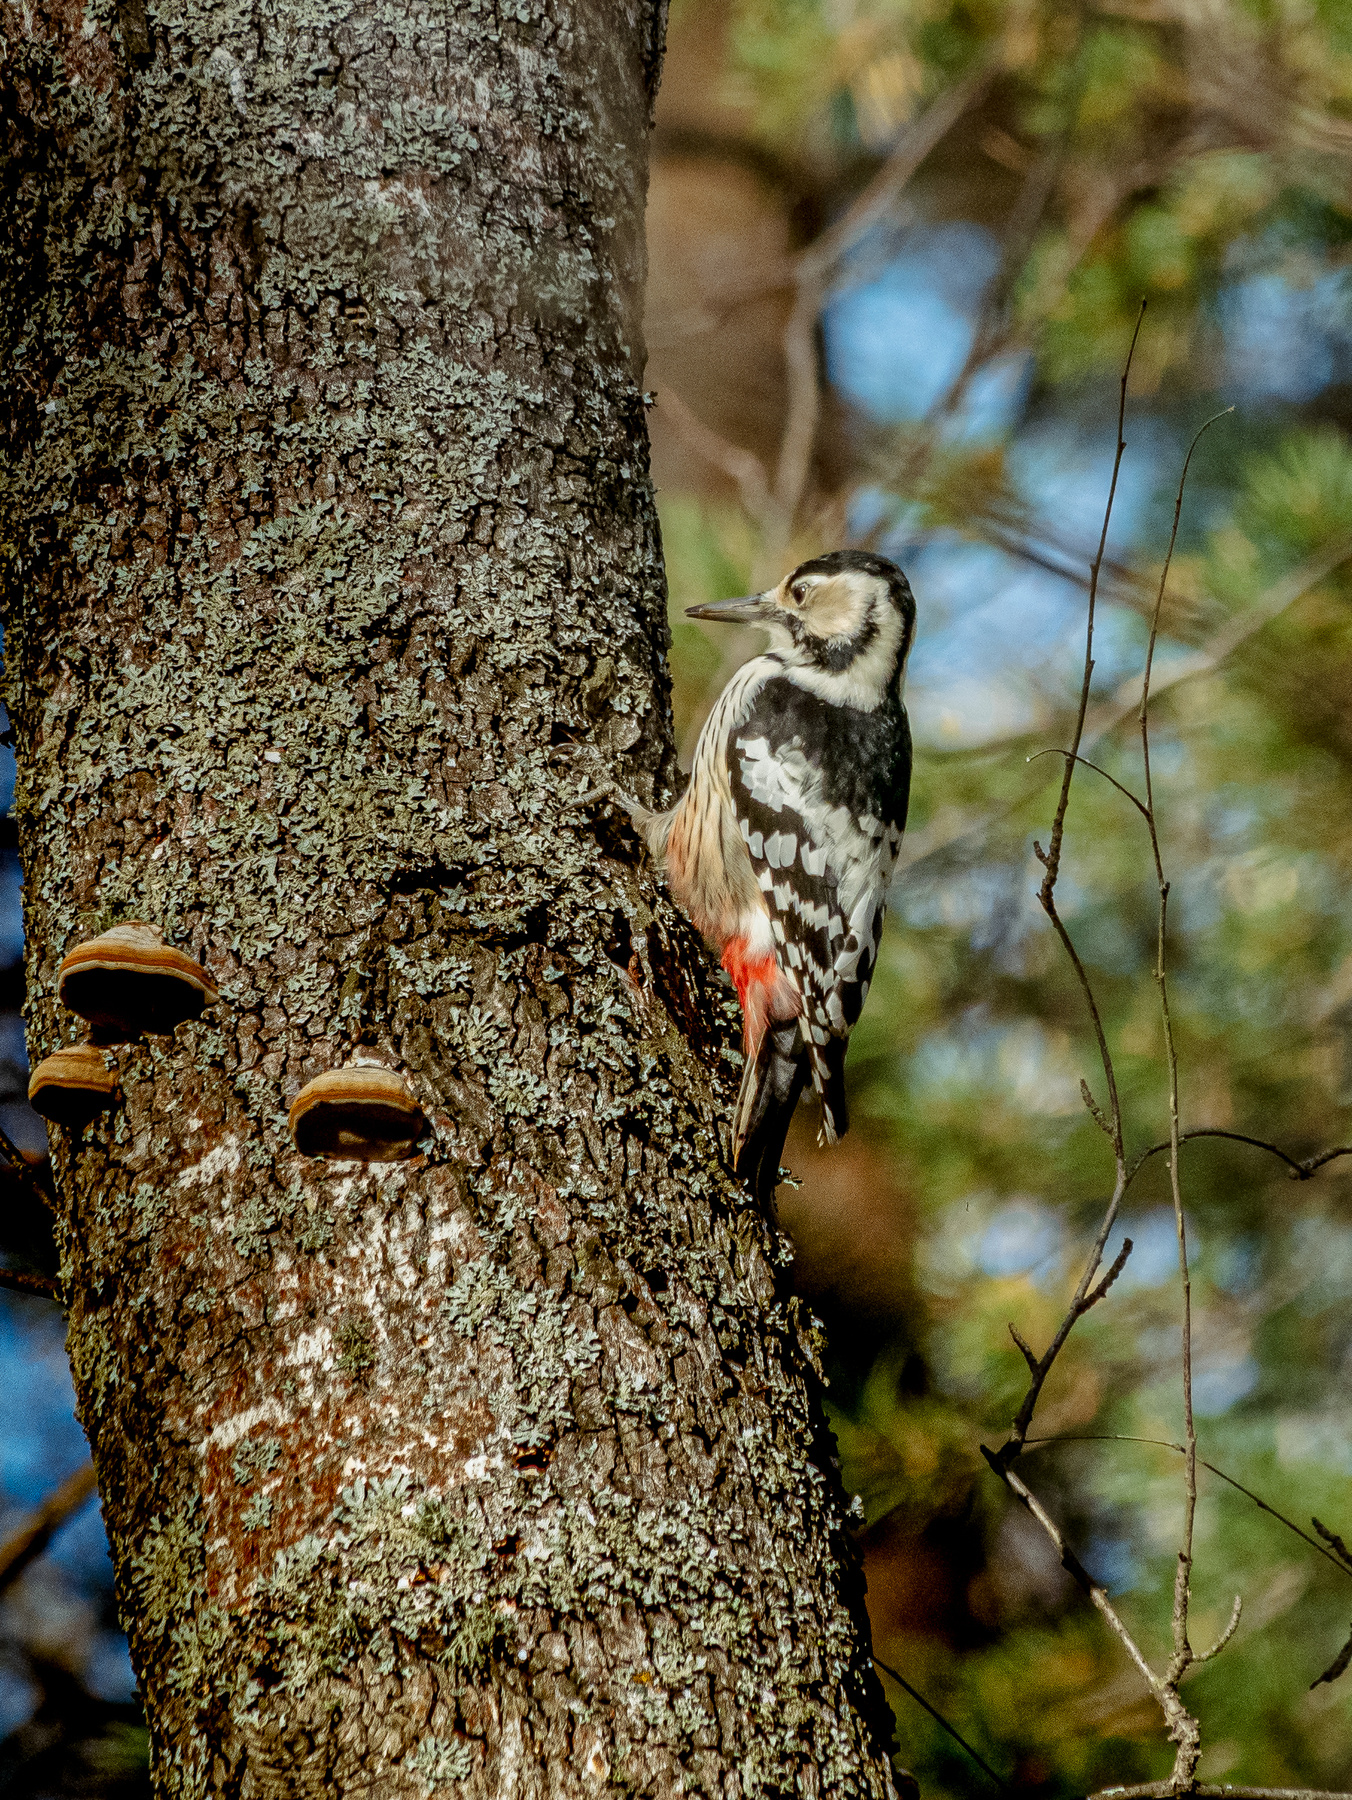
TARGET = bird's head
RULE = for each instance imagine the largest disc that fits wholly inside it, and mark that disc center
(850, 614)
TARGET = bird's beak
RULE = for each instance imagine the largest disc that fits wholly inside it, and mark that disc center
(755, 609)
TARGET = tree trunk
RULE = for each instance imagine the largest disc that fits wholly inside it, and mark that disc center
(326, 519)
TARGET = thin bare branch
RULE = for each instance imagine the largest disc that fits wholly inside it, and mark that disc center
(1076, 1570)
(1025, 1348)
(1339, 1666)
(1335, 1543)
(919, 846)
(1184, 1730)
(1164, 1790)
(1223, 643)
(1298, 1169)
(27, 1543)
(1124, 1437)
(1084, 760)
(1094, 1110)
(1226, 1635)
(1094, 1295)
(1308, 1167)
(1181, 1725)
(939, 1718)
(1051, 860)
(24, 1170)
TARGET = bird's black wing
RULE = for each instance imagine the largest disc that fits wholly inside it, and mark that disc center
(820, 794)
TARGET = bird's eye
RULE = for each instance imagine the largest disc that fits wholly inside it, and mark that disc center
(799, 592)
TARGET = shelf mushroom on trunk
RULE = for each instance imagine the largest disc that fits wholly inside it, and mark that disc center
(72, 1086)
(362, 1111)
(128, 981)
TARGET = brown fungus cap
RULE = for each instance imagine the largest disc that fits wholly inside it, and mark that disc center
(129, 981)
(71, 1086)
(360, 1111)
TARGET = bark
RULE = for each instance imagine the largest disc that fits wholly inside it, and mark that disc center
(326, 519)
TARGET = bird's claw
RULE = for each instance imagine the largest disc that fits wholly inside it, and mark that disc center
(587, 760)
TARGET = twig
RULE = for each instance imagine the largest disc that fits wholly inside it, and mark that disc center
(1163, 1790)
(1226, 1635)
(919, 846)
(1123, 1437)
(1051, 860)
(12, 1153)
(1339, 1666)
(1176, 1714)
(23, 1283)
(1184, 1728)
(1317, 1162)
(952, 1730)
(1300, 1171)
(1124, 791)
(1224, 642)
(1335, 1543)
(27, 1543)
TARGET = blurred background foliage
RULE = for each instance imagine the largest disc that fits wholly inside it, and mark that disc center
(915, 236)
(897, 250)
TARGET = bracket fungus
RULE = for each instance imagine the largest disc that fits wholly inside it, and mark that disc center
(361, 1111)
(71, 1086)
(129, 981)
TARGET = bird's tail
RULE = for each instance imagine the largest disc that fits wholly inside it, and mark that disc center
(773, 1079)
(828, 1077)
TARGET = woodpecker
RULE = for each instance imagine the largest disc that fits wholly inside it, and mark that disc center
(783, 845)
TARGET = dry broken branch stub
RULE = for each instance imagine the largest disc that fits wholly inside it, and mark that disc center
(20, 1281)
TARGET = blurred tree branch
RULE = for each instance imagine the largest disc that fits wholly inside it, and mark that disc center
(21, 1282)
(26, 1544)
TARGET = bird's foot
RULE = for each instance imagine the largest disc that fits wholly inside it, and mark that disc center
(599, 785)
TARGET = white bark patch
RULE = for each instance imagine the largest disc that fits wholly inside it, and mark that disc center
(223, 1160)
(239, 1425)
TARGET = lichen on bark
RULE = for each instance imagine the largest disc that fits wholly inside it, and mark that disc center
(327, 527)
